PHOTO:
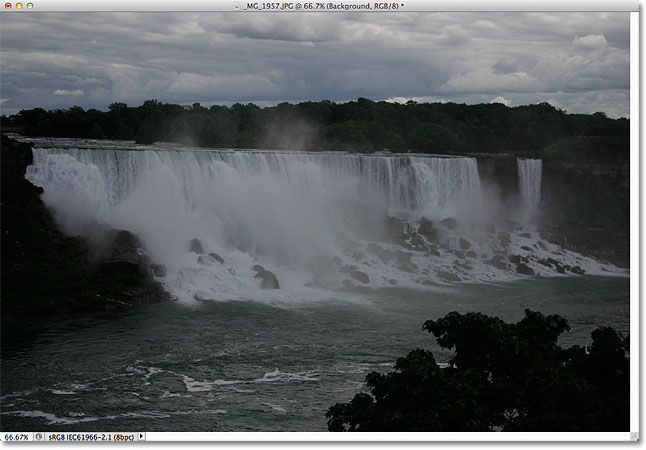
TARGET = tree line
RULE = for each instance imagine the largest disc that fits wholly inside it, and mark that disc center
(358, 126)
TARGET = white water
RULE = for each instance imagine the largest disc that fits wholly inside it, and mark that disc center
(309, 218)
(529, 184)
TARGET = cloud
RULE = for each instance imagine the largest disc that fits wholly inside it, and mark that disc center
(590, 42)
(502, 100)
(94, 59)
(66, 92)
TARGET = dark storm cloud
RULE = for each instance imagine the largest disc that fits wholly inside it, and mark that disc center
(578, 62)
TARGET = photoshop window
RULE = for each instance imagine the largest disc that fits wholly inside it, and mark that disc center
(319, 221)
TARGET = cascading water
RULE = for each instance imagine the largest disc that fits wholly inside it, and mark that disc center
(529, 184)
(289, 211)
(314, 220)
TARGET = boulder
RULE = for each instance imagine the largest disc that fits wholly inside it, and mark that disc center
(426, 229)
(497, 262)
(196, 246)
(217, 257)
(525, 235)
(359, 276)
(464, 244)
(417, 241)
(471, 254)
(577, 270)
(268, 279)
(524, 269)
(448, 276)
(514, 258)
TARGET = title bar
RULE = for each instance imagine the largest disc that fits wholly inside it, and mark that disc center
(33, 6)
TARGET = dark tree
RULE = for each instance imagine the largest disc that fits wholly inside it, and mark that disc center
(502, 376)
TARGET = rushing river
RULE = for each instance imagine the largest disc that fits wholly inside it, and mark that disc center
(251, 366)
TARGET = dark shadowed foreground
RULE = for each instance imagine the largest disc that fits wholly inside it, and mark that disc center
(509, 377)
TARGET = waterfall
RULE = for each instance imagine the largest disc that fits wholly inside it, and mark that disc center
(529, 184)
(295, 213)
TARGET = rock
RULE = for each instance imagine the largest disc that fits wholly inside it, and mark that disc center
(217, 257)
(426, 229)
(356, 256)
(525, 235)
(448, 276)
(514, 259)
(497, 262)
(459, 254)
(417, 241)
(464, 244)
(359, 276)
(526, 248)
(195, 246)
(524, 269)
(472, 254)
(542, 245)
(434, 251)
(449, 223)
(545, 263)
(268, 279)
(392, 281)
(504, 238)
(577, 270)
(122, 239)
(159, 270)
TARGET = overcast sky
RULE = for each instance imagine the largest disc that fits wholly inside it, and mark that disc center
(575, 61)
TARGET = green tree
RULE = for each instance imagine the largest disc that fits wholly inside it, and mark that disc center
(502, 376)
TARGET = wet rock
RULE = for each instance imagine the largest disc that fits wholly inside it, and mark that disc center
(542, 245)
(217, 257)
(504, 238)
(359, 276)
(497, 262)
(268, 279)
(524, 269)
(121, 253)
(472, 254)
(434, 251)
(159, 270)
(449, 223)
(448, 276)
(464, 244)
(525, 235)
(427, 229)
(577, 270)
(526, 248)
(459, 254)
(514, 259)
(417, 241)
(545, 263)
(195, 246)
(356, 255)
(392, 281)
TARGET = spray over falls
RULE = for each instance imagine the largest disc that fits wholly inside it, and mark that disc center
(226, 224)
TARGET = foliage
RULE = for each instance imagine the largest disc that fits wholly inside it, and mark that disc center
(502, 376)
(362, 125)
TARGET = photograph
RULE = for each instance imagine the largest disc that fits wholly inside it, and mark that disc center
(363, 219)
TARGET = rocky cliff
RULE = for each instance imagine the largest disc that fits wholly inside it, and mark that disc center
(45, 271)
(585, 205)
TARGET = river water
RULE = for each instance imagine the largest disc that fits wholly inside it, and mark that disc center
(253, 366)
